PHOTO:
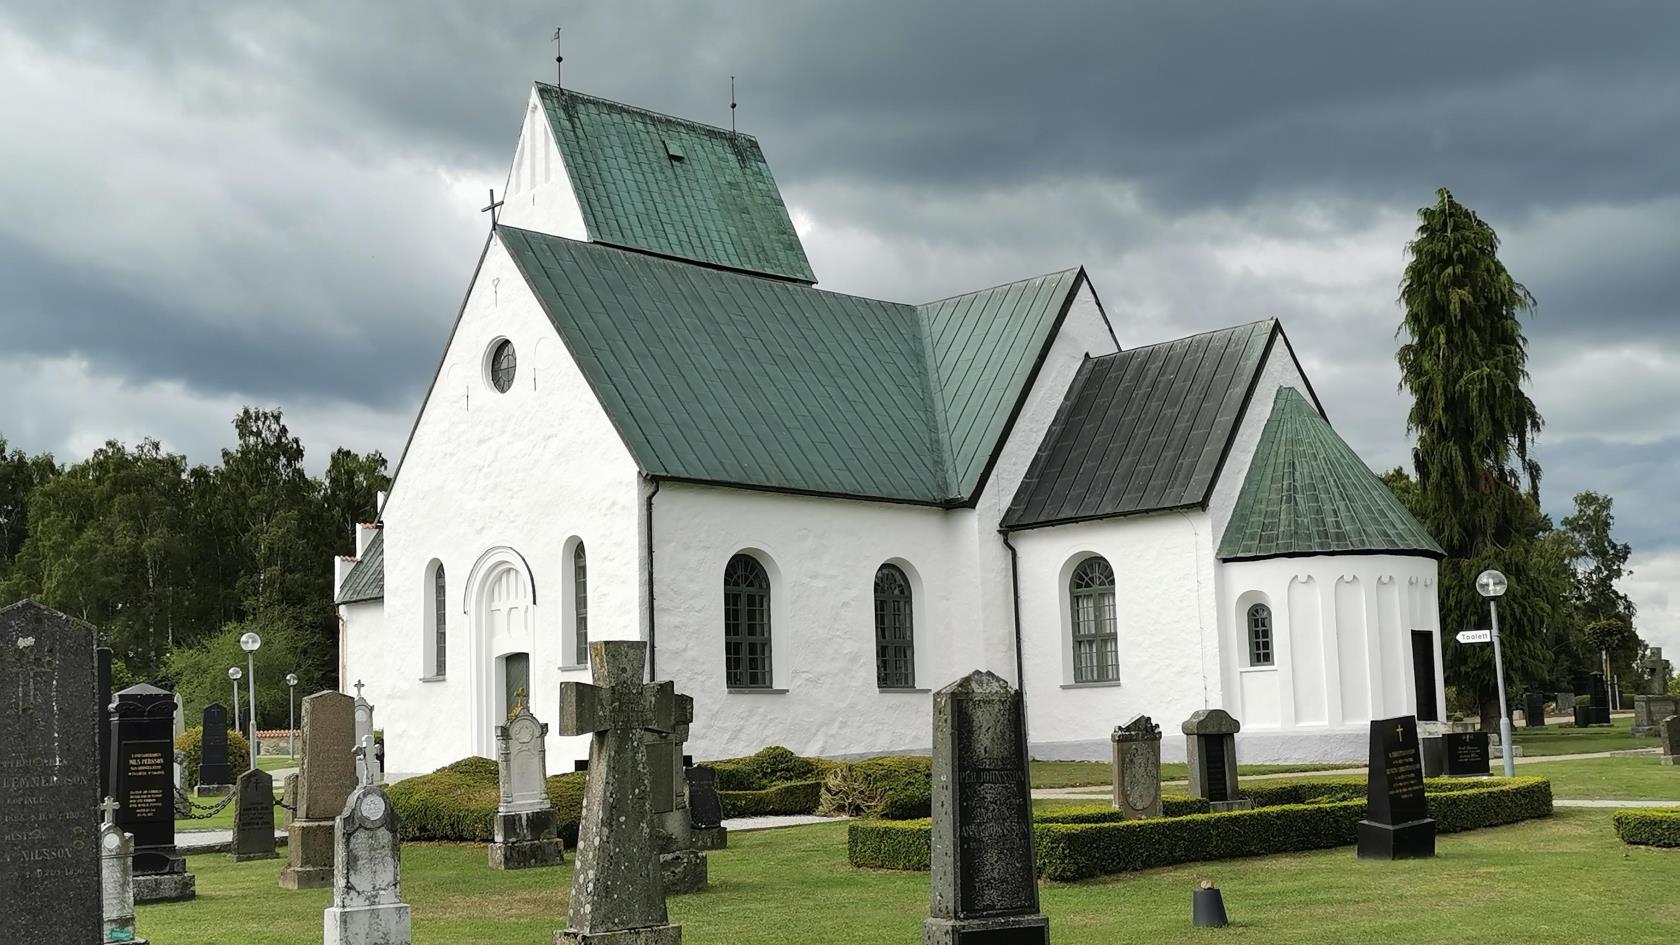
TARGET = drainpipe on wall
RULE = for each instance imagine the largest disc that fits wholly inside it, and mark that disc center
(648, 532)
(1015, 589)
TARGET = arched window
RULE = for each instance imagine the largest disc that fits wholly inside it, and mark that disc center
(746, 624)
(440, 611)
(895, 651)
(580, 600)
(1259, 635)
(1096, 645)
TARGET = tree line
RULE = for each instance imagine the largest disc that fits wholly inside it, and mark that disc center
(1476, 486)
(172, 562)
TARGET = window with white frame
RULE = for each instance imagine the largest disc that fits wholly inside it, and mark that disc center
(1096, 643)
(1259, 635)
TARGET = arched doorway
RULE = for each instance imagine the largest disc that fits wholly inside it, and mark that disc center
(501, 601)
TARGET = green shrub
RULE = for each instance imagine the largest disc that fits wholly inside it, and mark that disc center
(799, 797)
(891, 787)
(1078, 842)
(1649, 826)
(769, 767)
(190, 744)
(1178, 805)
(458, 802)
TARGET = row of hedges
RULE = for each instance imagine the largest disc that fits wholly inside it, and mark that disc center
(190, 746)
(768, 768)
(1649, 826)
(1084, 842)
(797, 797)
(458, 802)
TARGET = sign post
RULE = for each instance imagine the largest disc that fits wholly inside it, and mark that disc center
(1491, 585)
(1475, 636)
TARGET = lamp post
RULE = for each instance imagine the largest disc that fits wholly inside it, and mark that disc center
(1491, 584)
(235, 674)
(249, 642)
(291, 714)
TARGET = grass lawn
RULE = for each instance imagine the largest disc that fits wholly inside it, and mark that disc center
(276, 762)
(1568, 740)
(1061, 774)
(221, 820)
(1480, 889)
(1630, 778)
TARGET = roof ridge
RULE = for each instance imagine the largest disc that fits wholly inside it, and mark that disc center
(664, 116)
(1211, 331)
(1001, 285)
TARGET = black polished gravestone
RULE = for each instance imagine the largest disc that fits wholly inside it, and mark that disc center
(1534, 710)
(1466, 754)
(213, 773)
(143, 782)
(705, 808)
(1599, 703)
(49, 778)
(1397, 825)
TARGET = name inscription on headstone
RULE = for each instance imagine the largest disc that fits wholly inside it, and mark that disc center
(991, 791)
(147, 780)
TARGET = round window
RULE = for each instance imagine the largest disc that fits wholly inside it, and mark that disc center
(503, 363)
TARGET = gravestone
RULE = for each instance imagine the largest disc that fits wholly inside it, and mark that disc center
(1397, 825)
(49, 848)
(116, 864)
(984, 887)
(143, 779)
(1669, 730)
(253, 818)
(1211, 749)
(617, 893)
(705, 808)
(288, 800)
(1655, 704)
(1534, 709)
(682, 864)
(326, 776)
(1466, 754)
(524, 832)
(367, 904)
(1600, 696)
(215, 778)
(1137, 768)
(364, 731)
(102, 673)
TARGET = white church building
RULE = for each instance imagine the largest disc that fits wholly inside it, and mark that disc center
(649, 423)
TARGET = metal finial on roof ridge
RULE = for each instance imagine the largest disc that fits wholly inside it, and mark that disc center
(558, 59)
(731, 104)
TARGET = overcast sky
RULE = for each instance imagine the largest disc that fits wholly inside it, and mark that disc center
(209, 205)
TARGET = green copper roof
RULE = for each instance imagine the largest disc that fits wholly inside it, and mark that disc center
(1308, 493)
(366, 580)
(665, 185)
(1143, 429)
(723, 377)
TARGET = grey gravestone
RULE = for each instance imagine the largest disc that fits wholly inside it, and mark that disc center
(524, 834)
(253, 818)
(367, 904)
(364, 731)
(1211, 748)
(1397, 824)
(116, 863)
(49, 848)
(143, 779)
(326, 776)
(102, 670)
(617, 893)
(705, 808)
(1669, 729)
(1137, 768)
(984, 887)
(1534, 709)
(288, 800)
(681, 861)
(214, 776)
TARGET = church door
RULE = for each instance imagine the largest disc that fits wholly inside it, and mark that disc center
(1423, 675)
(516, 679)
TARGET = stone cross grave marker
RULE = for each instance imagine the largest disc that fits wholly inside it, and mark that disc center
(1211, 748)
(326, 776)
(1137, 768)
(984, 887)
(1396, 824)
(214, 774)
(1669, 729)
(682, 864)
(253, 818)
(116, 852)
(616, 886)
(524, 833)
(143, 778)
(49, 854)
(367, 904)
(705, 808)
(375, 760)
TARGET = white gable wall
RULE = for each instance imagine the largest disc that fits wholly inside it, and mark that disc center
(495, 480)
(539, 194)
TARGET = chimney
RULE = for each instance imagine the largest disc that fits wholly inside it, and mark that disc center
(341, 570)
(364, 535)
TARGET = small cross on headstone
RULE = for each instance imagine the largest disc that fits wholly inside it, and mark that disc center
(109, 808)
(358, 688)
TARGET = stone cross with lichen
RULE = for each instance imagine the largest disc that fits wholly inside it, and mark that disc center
(616, 883)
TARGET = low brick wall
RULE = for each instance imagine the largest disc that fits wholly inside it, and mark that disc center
(272, 741)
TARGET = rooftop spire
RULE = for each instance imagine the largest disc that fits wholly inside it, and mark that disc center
(558, 59)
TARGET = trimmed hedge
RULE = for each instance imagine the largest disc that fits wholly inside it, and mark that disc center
(190, 745)
(799, 797)
(891, 787)
(766, 769)
(458, 802)
(1649, 826)
(1083, 842)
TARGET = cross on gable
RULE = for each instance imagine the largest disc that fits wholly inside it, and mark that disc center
(492, 208)
(618, 700)
(109, 808)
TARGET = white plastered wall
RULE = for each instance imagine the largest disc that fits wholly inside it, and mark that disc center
(493, 480)
(539, 194)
